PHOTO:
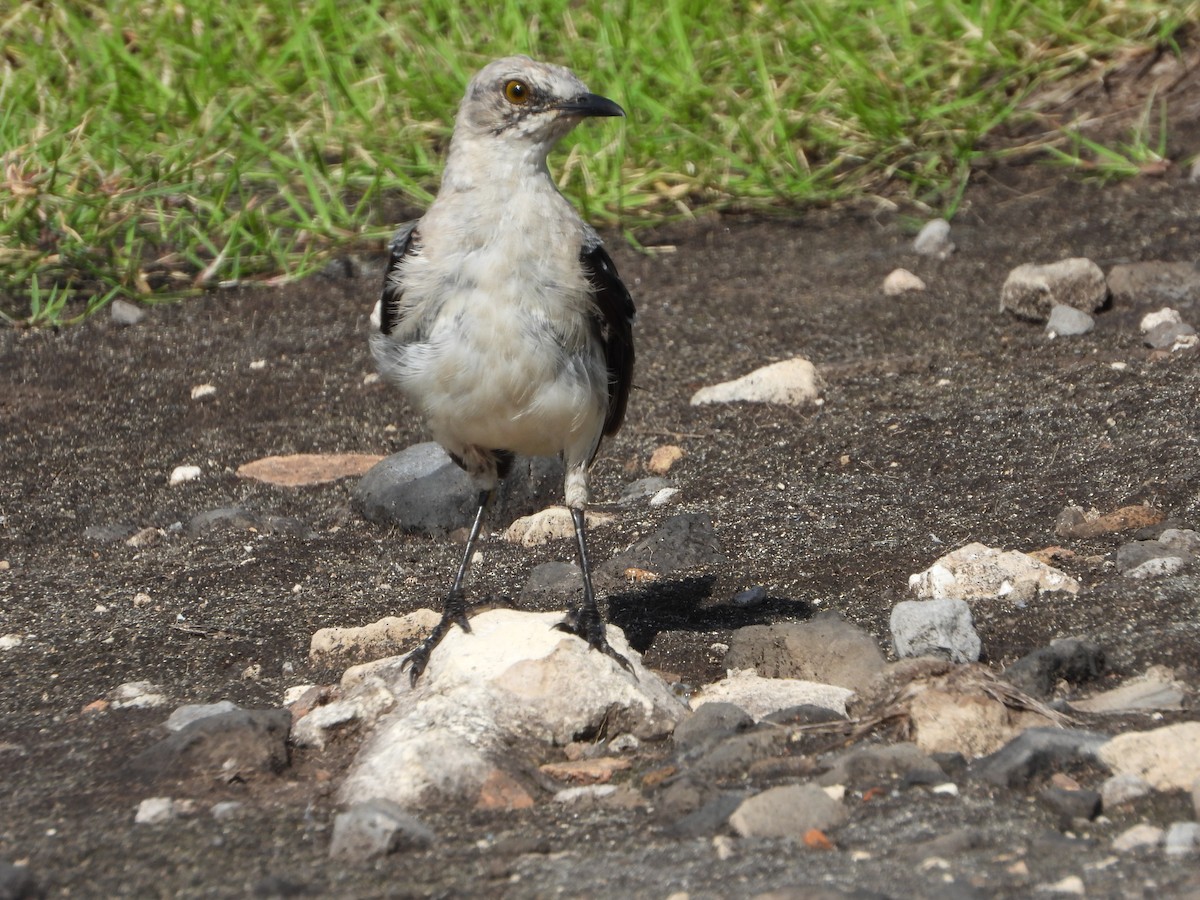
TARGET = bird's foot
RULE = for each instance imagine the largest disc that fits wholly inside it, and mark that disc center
(592, 629)
(453, 613)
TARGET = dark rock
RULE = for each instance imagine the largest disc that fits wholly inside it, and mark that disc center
(709, 819)
(805, 714)
(1154, 282)
(1135, 553)
(874, 764)
(749, 598)
(1035, 752)
(277, 886)
(710, 723)
(421, 490)
(1070, 659)
(1080, 804)
(17, 884)
(551, 581)
(733, 756)
(229, 746)
(827, 649)
(684, 541)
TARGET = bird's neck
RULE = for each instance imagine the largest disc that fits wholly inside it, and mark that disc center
(496, 166)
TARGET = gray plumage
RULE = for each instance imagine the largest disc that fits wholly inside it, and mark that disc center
(502, 318)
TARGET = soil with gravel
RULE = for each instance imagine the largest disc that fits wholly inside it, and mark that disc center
(945, 421)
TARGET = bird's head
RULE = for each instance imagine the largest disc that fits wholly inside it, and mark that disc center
(524, 101)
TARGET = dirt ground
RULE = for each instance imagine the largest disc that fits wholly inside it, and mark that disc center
(945, 422)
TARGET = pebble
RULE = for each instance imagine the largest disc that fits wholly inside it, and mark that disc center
(1139, 837)
(1072, 884)
(203, 391)
(585, 793)
(1031, 291)
(934, 240)
(1171, 336)
(643, 489)
(304, 469)
(192, 712)
(1076, 522)
(663, 497)
(16, 883)
(750, 597)
(228, 745)
(942, 628)
(1182, 839)
(227, 810)
(762, 696)
(388, 636)
(663, 459)
(901, 281)
(1159, 318)
(137, 695)
(183, 474)
(1123, 788)
(122, 312)
(793, 382)
(159, 810)
(1072, 804)
(976, 571)
(1148, 559)
(1157, 689)
(870, 765)
(375, 828)
(1067, 321)
(554, 523)
(10, 641)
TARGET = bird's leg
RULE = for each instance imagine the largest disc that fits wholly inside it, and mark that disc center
(454, 610)
(585, 620)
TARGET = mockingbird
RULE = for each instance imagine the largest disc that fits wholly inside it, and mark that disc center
(502, 318)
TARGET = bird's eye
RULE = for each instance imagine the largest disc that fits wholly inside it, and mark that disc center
(516, 92)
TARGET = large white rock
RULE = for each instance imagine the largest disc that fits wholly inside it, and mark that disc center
(513, 678)
(793, 382)
(1166, 757)
(762, 696)
(977, 571)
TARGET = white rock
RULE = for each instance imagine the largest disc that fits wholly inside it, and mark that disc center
(137, 695)
(934, 239)
(1164, 316)
(514, 677)
(1072, 884)
(1122, 789)
(157, 810)
(793, 382)
(385, 636)
(1155, 690)
(552, 524)
(1138, 837)
(364, 705)
(183, 474)
(762, 696)
(201, 391)
(980, 572)
(1031, 291)
(1067, 321)
(787, 811)
(901, 281)
(10, 641)
(585, 792)
(1166, 757)
(294, 693)
(663, 497)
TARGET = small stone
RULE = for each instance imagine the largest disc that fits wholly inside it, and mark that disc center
(142, 599)
(1075, 522)
(664, 458)
(1164, 316)
(304, 469)
(501, 791)
(17, 884)
(793, 382)
(146, 537)
(585, 793)
(390, 635)
(586, 771)
(1148, 559)
(762, 696)
(1072, 804)
(10, 641)
(184, 474)
(203, 391)
(228, 746)
(1031, 291)
(156, 811)
(663, 497)
(643, 489)
(1182, 839)
(710, 722)
(125, 313)
(1072, 884)
(228, 810)
(787, 811)
(751, 597)
(901, 281)
(976, 571)
(1170, 336)
(942, 628)
(137, 695)
(552, 524)
(1067, 659)
(374, 829)
(1139, 837)
(1067, 321)
(682, 541)
(1155, 690)
(934, 240)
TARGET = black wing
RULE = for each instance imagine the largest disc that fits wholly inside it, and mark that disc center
(405, 243)
(612, 315)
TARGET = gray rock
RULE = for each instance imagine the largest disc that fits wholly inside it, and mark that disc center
(827, 649)
(1166, 335)
(1034, 752)
(683, 541)
(1133, 557)
(421, 490)
(1183, 539)
(375, 828)
(1031, 291)
(643, 489)
(193, 712)
(1067, 321)
(17, 884)
(934, 239)
(872, 764)
(787, 811)
(709, 723)
(732, 757)
(1068, 659)
(1078, 804)
(1146, 283)
(749, 598)
(711, 818)
(1123, 788)
(1182, 839)
(942, 628)
(226, 746)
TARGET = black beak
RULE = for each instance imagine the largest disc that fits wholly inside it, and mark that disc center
(590, 105)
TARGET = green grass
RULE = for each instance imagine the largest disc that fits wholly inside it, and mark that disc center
(150, 149)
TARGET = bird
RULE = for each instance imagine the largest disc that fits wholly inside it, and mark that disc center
(502, 318)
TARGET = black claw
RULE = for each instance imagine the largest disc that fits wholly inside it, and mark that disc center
(594, 633)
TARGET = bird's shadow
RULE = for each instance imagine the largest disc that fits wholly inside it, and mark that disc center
(684, 605)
